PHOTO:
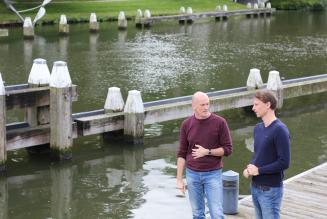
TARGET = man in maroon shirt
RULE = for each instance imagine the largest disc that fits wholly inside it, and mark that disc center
(204, 139)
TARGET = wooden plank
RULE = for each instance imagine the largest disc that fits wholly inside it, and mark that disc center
(27, 97)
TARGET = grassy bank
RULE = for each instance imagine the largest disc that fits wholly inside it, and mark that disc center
(79, 10)
(314, 5)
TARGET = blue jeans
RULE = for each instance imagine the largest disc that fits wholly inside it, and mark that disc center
(267, 202)
(209, 185)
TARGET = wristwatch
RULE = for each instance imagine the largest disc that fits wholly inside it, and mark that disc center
(209, 153)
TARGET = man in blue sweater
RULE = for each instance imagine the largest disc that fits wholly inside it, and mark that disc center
(271, 157)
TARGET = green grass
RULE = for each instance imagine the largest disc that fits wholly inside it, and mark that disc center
(80, 10)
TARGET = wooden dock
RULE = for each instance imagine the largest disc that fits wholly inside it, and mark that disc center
(215, 14)
(305, 196)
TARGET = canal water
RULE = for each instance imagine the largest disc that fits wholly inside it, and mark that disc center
(114, 180)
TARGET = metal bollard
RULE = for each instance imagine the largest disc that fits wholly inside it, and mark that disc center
(230, 192)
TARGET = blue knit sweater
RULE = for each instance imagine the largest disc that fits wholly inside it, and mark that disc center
(271, 153)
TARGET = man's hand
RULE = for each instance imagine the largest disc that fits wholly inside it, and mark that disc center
(181, 186)
(252, 170)
(199, 151)
(246, 173)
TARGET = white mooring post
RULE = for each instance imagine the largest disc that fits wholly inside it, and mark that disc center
(3, 151)
(134, 118)
(39, 77)
(63, 25)
(147, 20)
(138, 18)
(254, 80)
(122, 21)
(225, 9)
(94, 25)
(182, 12)
(218, 9)
(189, 12)
(275, 84)
(114, 103)
(61, 133)
(28, 28)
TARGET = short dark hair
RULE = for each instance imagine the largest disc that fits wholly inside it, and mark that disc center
(267, 96)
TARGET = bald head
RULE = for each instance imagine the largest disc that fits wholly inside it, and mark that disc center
(200, 105)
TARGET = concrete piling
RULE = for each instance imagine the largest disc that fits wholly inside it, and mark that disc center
(275, 84)
(61, 135)
(28, 28)
(122, 21)
(3, 151)
(39, 77)
(63, 25)
(94, 25)
(134, 118)
(218, 17)
(138, 18)
(254, 80)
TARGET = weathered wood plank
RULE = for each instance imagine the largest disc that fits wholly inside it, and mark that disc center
(27, 97)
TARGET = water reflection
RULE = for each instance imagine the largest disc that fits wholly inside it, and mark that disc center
(3, 198)
(63, 47)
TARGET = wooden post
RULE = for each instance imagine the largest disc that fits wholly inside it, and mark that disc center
(63, 25)
(94, 25)
(189, 12)
(254, 80)
(268, 5)
(114, 103)
(218, 17)
(147, 21)
(39, 77)
(3, 197)
(182, 12)
(61, 191)
(275, 84)
(3, 150)
(138, 18)
(225, 9)
(248, 6)
(255, 6)
(134, 118)
(61, 134)
(28, 28)
(122, 21)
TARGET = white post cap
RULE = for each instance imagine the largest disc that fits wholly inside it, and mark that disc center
(28, 22)
(93, 18)
(114, 101)
(225, 8)
(268, 5)
(121, 15)
(274, 83)
(261, 5)
(189, 11)
(218, 8)
(255, 6)
(2, 86)
(60, 77)
(248, 5)
(147, 13)
(254, 80)
(134, 103)
(63, 19)
(39, 73)
(139, 13)
(182, 10)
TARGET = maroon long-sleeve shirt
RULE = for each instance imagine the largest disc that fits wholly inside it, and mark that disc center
(210, 133)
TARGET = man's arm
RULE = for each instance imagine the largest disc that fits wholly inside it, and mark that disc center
(179, 177)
